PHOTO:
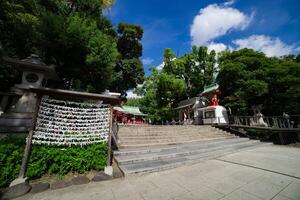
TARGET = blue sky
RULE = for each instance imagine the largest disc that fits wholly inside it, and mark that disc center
(270, 26)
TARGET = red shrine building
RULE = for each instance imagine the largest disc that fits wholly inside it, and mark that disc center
(129, 115)
(204, 109)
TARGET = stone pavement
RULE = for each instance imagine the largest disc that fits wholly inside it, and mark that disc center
(281, 159)
(212, 179)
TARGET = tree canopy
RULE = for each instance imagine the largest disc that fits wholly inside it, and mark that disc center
(246, 77)
(250, 78)
(91, 55)
(182, 77)
(129, 69)
(76, 37)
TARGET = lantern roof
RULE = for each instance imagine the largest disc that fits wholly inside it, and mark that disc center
(35, 64)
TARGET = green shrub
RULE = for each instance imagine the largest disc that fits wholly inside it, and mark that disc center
(11, 153)
(57, 160)
(46, 159)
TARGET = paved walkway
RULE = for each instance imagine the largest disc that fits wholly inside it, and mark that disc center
(223, 178)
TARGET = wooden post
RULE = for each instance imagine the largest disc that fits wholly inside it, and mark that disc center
(109, 139)
(29, 140)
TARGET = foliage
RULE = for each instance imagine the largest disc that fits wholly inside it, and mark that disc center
(92, 53)
(249, 78)
(129, 41)
(162, 94)
(136, 102)
(77, 38)
(49, 159)
(52, 160)
(11, 153)
(129, 69)
(197, 68)
(127, 74)
(181, 78)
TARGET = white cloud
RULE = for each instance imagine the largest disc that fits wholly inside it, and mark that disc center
(131, 95)
(160, 66)
(216, 20)
(229, 3)
(218, 47)
(270, 46)
(147, 61)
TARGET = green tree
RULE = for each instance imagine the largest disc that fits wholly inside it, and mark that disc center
(181, 78)
(197, 68)
(163, 92)
(136, 102)
(246, 77)
(129, 70)
(283, 81)
(250, 78)
(18, 27)
(77, 38)
(88, 51)
(129, 44)
(169, 65)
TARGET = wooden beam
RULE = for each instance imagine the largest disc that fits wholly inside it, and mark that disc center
(112, 100)
(29, 140)
(109, 138)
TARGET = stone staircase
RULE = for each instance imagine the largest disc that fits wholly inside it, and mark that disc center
(153, 148)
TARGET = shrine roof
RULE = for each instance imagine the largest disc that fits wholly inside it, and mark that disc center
(187, 102)
(130, 110)
(210, 88)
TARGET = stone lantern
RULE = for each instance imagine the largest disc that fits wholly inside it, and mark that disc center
(18, 105)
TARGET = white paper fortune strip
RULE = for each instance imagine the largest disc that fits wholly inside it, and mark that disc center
(71, 123)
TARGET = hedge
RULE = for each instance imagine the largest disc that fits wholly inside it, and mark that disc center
(46, 159)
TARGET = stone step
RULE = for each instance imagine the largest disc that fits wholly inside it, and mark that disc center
(149, 137)
(180, 132)
(163, 129)
(179, 152)
(167, 163)
(169, 139)
(161, 126)
(191, 145)
(173, 136)
(133, 144)
(167, 130)
(153, 148)
(169, 134)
